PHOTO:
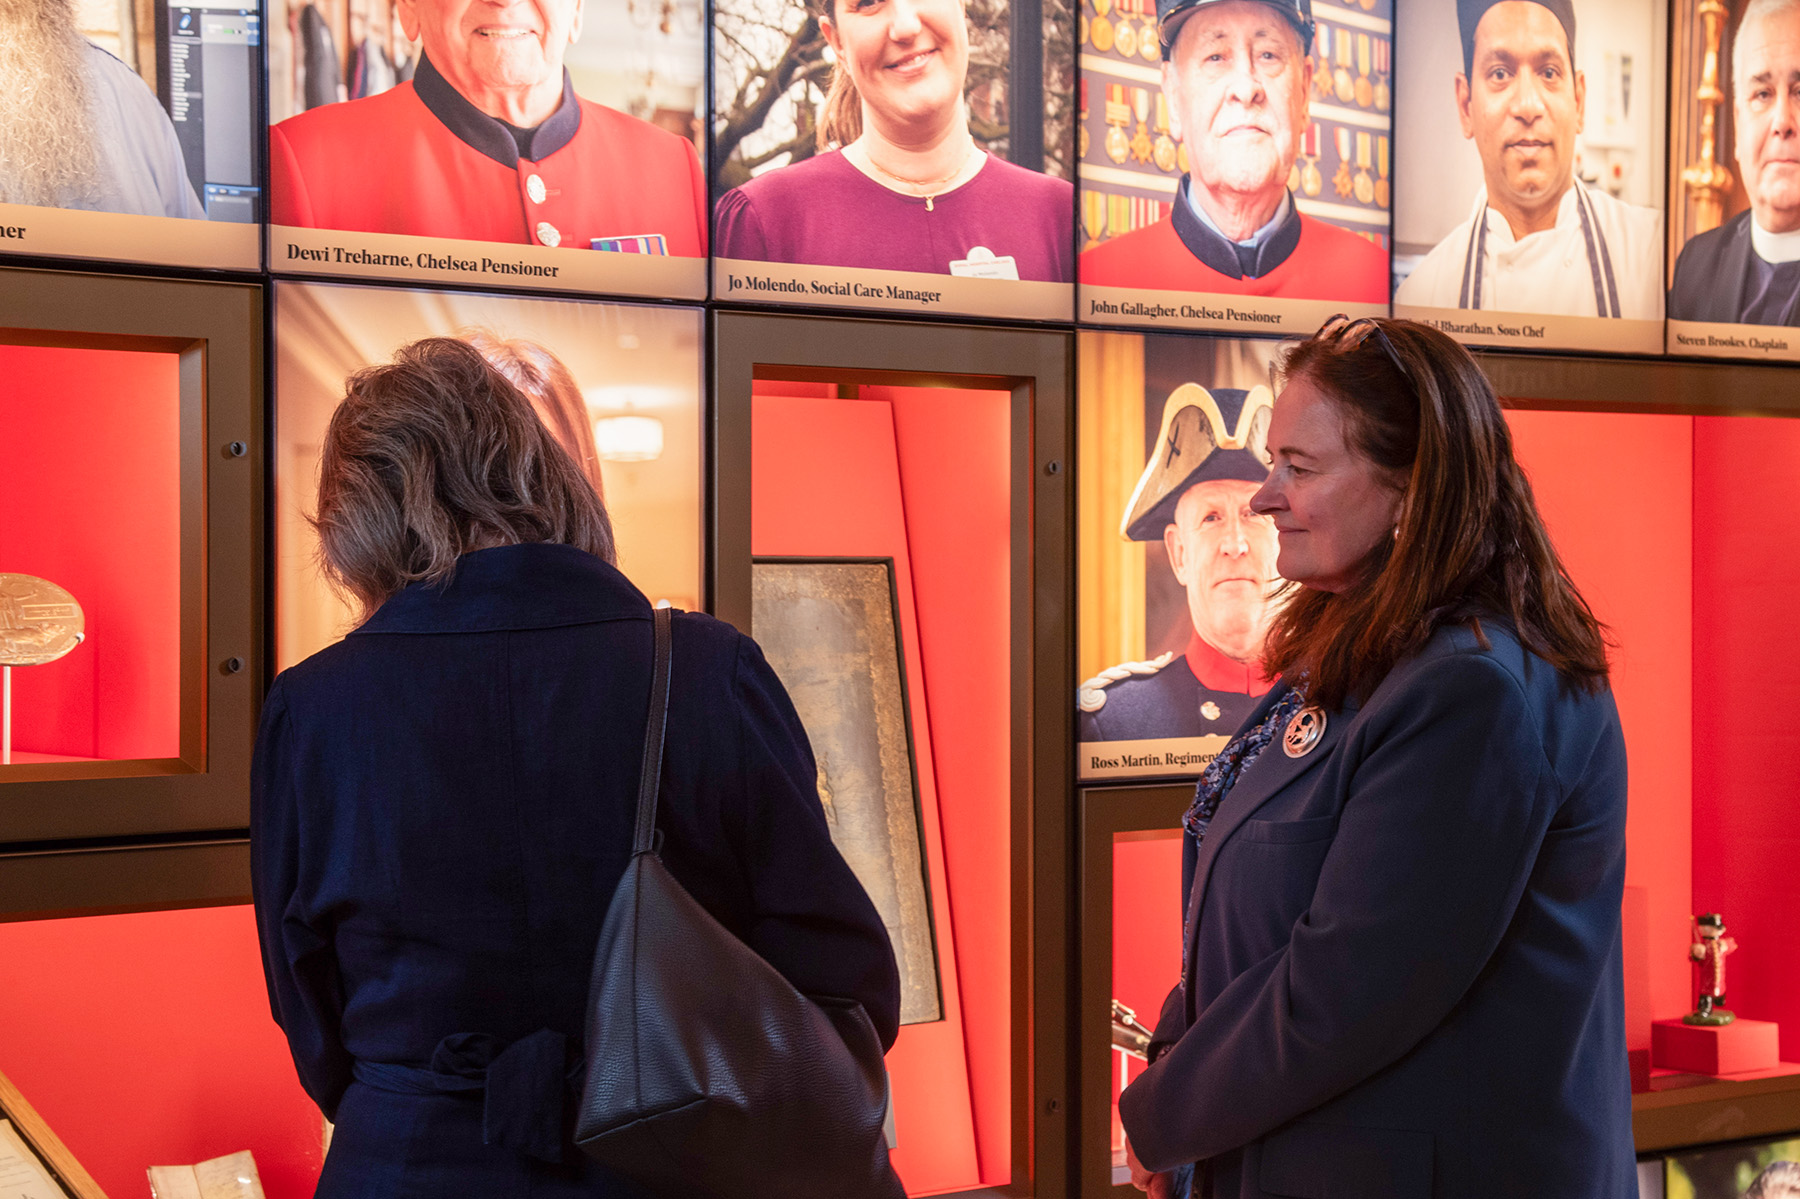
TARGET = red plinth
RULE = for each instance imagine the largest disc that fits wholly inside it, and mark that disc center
(1640, 1069)
(1728, 1049)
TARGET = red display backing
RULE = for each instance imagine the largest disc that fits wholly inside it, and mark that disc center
(1746, 691)
(1617, 492)
(145, 1040)
(91, 490)
(920, 475)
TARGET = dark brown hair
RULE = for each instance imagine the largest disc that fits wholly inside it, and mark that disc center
(552, 390)
(432, 456)
(1469, 542)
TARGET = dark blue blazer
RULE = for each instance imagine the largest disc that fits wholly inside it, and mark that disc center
(1403, 973)
(442, 806)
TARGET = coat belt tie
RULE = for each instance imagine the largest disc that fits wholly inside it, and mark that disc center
(523, 1084)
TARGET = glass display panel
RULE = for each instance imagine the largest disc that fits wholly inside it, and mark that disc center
(630, 408)
(1733, 185)
(1529, 209)
(1176, 576)
(916, 480)
(1239, 181)
(913, 158)
(91, 586)
(128, 131)
(1146, 959)
(479, 145)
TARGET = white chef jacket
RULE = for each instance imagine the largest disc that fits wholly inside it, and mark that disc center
(141, 170)
(1602, 258)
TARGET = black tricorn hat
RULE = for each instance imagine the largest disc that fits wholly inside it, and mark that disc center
(1171, 13)
(1221, 434)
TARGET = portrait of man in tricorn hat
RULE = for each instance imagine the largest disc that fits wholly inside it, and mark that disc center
(1210, 457)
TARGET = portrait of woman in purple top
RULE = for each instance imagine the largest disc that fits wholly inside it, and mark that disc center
(899, 183)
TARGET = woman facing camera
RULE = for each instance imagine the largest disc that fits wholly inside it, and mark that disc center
(443, 802)
(905, 188)
(1401, 962)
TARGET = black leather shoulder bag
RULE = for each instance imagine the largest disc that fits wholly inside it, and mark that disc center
(708, 1074)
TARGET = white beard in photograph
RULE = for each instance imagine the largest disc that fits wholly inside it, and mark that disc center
(47, 151)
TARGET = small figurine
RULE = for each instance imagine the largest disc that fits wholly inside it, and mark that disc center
(1710, 947)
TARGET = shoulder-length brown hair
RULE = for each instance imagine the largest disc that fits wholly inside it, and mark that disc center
(432, 456)
(1469, 542)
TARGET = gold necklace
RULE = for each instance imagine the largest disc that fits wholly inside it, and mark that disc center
(927, 196)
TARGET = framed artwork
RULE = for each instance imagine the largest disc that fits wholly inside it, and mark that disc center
(831, 629)
(1763, 1169)
(34, 1163)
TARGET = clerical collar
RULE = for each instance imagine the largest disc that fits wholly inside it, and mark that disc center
(1774, 248)
(1217, 672)
(1267, 248)
(505, 144)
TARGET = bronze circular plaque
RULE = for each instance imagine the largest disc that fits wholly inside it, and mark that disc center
(39, 621)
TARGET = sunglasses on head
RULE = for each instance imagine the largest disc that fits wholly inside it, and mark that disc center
(1341, 327)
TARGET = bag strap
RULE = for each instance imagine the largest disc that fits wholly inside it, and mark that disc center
(650, 773)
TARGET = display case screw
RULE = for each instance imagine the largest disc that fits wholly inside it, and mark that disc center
(237, 449)
(1053, 467)
(233, 665)
(1052, 1106)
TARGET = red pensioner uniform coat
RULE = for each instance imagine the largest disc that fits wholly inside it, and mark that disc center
(389, 164)
(1328, 264)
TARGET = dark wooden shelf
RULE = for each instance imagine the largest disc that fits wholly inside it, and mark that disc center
(1691, 1109)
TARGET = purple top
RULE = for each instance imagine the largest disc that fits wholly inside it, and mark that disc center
(824, 212)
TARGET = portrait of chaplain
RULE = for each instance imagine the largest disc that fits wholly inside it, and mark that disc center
(1538, 239)
(1237, 75)
(78, 128)
(1211, 455)
(489, 142)
(1747, 271)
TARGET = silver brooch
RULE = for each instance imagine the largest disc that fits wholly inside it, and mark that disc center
(1304, 731)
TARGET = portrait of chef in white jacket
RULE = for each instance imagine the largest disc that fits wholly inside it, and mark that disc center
(1537, 239)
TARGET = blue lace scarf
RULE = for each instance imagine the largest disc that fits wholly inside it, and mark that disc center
(1221, 774)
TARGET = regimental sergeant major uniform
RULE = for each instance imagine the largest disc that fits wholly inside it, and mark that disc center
(1200, 691)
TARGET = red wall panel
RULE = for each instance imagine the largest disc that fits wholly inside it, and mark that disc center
(1746, 691)
(1617, 493)
(90, 491)
(145, 1040)
(954, 474)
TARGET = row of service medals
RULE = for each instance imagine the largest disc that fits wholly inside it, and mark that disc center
(1111, 30)
(1123, 103)
(1353, 68)
(1367, 151)
(1103, 213)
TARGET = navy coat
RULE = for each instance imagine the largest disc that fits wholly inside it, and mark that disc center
(442, 806)
(1403, 972)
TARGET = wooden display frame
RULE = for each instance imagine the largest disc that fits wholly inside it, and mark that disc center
(85, 838)
(1036, 367)
(41, 1140)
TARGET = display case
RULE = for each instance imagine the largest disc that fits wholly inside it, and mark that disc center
(131, 444)
(848, 453)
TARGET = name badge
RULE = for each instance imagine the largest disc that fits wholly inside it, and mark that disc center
(981, 264)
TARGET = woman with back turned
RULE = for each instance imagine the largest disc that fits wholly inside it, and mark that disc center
(1401, 969)
(442, 803)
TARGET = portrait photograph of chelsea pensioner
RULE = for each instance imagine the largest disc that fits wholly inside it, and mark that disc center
(481, 135)
(1741, 262)
(1237, 76)
(1530, 182)
(890, 150)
